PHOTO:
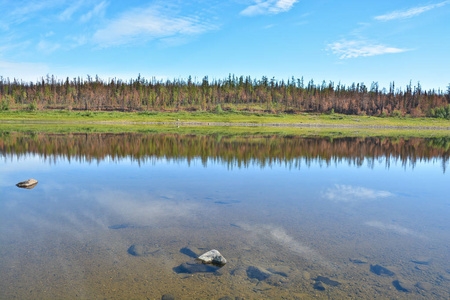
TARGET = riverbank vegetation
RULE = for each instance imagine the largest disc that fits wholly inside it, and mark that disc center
(232, 94)
(218, 131)
(183, 118)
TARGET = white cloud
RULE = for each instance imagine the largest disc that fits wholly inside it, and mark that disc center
(269, 26)
(392, 227)
(17, 12)
(412, 12)
(23, 70)
(76, 41)
(69, 11)
(47, 47)
(141, 25)
(356, 48)
(264, 7)
(348, 193)
(98, 10)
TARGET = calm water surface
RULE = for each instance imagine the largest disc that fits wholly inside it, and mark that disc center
(295, 218)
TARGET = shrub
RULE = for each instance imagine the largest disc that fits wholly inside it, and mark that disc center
(5, 105)
(218, 109)
(396, 113)
(32, 106)
(443, 112)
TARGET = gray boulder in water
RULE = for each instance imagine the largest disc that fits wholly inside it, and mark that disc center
(27, 184)
(212, 257)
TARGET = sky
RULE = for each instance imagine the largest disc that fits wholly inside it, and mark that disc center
(341, 41)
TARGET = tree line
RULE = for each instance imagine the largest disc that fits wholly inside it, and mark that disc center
(232, 93)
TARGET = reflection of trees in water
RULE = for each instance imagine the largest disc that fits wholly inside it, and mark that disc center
(233, 151)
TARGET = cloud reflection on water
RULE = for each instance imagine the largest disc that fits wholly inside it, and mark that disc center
(142, 210)
(348, 193)
(393, 228)
(280, 236)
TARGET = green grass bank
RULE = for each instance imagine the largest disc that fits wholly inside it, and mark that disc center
(63, 116)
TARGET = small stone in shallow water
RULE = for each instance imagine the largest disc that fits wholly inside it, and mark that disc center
(319, 286)
(327, 281)
(402, 285)
(257, 273)
(359, 260)
(239, 271)
(212, 257)
(306, 275)
(27, 184)
(280, 270)
(445, 276)
(167, 297)
(379, 270)
(276, 280)
(421, 260)
(120, 226)
(422, 267)
(142, 250)
(425, 286)
(195, 267)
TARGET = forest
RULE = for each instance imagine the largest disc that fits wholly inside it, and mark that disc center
(229, 94)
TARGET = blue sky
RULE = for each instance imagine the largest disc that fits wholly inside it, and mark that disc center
(347, 41)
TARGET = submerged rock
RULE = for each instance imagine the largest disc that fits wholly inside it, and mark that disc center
(425, 286)
(142, 250)
(280, 270)
(319, 286)
(212, 257)
(379, 270)
(276, 280)
(445, 276)
(126, 225)
(421, 260)
(421, 267)
(359, 260)
(327, 281)
(195, 267)
(402, 285)
(27, 184)
(274, 277)
(239, 271)
(306, 275)
(167, 297)
(257, 273)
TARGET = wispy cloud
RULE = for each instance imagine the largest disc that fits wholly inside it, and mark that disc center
(98, 10)
(265, 7)
(47, 47)
(351, 49)
(67, 13)
(409, 13)
(141, 25)
(23, 70)
(348, 193)
(393, 228)
(18, 12)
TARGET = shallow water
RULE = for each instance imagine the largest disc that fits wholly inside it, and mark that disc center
(295, 218)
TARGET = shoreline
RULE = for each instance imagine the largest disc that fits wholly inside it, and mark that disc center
(229, 124)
